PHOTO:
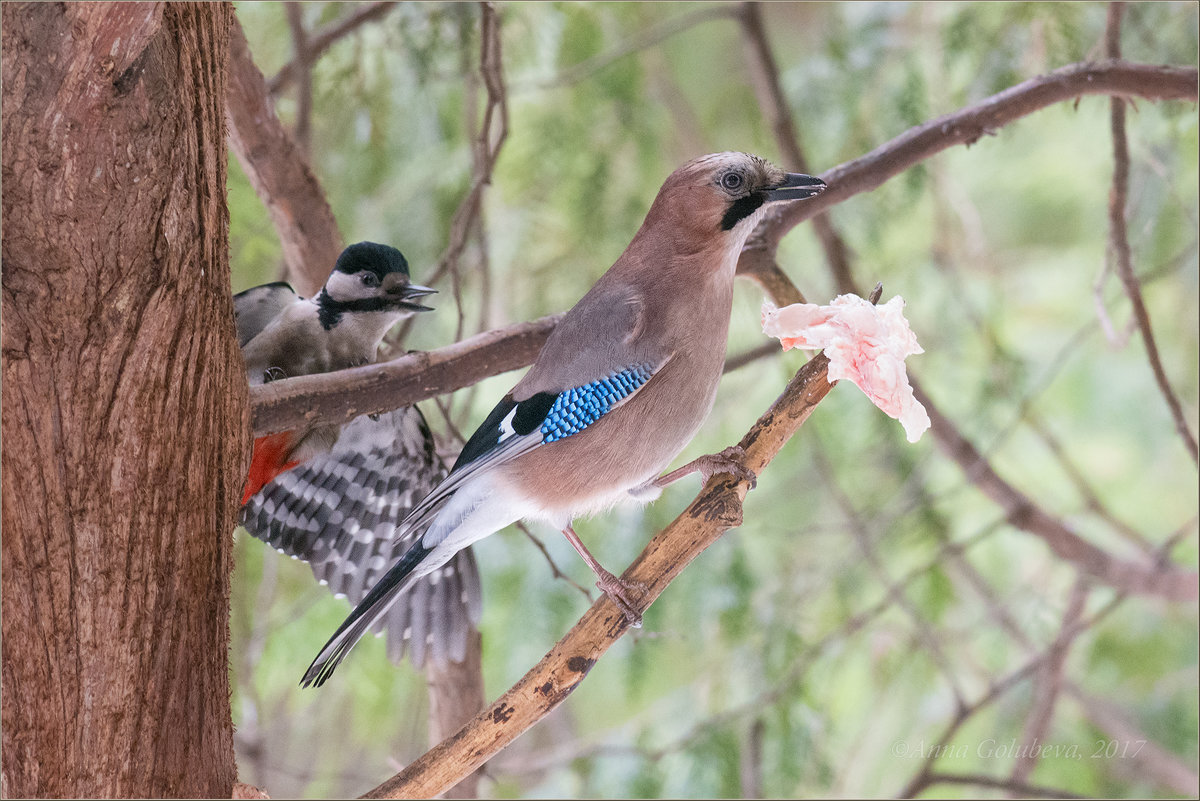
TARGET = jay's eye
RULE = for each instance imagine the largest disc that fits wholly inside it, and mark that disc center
(731, 181)
(370, 279)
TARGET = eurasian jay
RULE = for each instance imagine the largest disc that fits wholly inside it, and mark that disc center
(333, 495)
(619, 389)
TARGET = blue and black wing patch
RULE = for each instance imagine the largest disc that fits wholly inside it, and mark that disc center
(575, 409)
(556, 415)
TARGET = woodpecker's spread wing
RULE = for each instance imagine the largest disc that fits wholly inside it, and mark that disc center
(339, 512)
(255, 308)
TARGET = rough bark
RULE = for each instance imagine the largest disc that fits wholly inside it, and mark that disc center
(124, 406)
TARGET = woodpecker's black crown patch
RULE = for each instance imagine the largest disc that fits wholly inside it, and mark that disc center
(379, 259)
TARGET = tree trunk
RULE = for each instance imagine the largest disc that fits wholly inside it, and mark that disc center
(124, 405)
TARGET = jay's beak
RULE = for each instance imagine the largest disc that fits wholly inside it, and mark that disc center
(796, 186)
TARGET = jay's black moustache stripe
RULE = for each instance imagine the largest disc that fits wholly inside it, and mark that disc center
(742, 208)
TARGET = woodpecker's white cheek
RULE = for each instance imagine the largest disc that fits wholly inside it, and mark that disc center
(341, 286)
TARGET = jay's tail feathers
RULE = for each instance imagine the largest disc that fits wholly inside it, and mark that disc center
(376, 603)
(459, 519)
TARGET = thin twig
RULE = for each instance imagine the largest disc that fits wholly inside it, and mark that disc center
(1065, 635)
(1048, 685)
(637, 40)
(302, 130)
(1147, 758)
(555, 571)
(493, 131)
(765, 74)
(1017, 788)
(925, 633)
(323, 38)
(1119, 243)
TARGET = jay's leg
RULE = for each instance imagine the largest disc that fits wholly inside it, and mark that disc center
(613, 587)
(727, 461)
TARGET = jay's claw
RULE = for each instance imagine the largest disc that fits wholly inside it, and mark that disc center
(619, 591)
(727, 461)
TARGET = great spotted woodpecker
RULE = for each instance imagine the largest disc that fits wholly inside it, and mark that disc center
(333, 496)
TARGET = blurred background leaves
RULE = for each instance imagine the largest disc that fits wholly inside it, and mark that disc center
(873, 589)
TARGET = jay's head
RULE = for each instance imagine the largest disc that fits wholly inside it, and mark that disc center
(727, 192)
(376, 277)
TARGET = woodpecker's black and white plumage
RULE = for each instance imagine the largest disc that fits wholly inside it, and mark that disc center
(334, 495)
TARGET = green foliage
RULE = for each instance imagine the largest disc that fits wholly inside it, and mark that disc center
(790, 621)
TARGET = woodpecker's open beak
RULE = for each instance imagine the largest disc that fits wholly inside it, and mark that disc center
(410, 292)
(397, 288)
(795, 186)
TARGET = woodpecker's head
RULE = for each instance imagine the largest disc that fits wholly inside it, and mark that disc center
(372, 277)
(726, 193)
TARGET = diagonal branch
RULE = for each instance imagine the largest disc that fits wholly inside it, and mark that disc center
(715, 510)
(967, 125)
(279, 173)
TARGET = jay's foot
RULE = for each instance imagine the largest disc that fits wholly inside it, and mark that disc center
(619, 591)
(727, 461)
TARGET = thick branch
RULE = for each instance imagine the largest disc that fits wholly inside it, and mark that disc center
(340, 397)
(717, 509)
(279, 173)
